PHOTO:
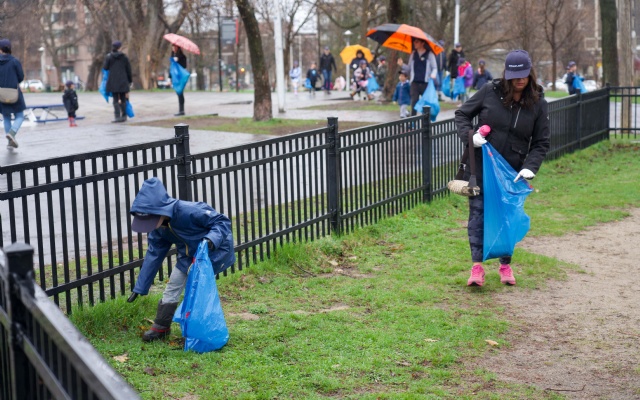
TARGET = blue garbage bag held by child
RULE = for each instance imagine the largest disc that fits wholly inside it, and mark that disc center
(372, 85)
(103, 85)
(446, 86)
(179, 76)
(429, 98)
(200, 314)
(458, 87)
(307, 83)
(505, 222)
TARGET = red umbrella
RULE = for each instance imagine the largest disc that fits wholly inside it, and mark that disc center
(400, 37)
(182, 42)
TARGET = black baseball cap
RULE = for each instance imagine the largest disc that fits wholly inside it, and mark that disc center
(144, 222)
(517, 65)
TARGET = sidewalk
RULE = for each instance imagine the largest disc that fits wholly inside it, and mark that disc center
(95, 131)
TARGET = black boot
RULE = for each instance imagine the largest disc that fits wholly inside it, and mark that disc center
(123, 109)
(116, 113)
(162, 324)
(181, 112)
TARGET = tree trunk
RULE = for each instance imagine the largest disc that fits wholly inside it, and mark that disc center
(609, 40)
(398, 13)
(262, 94)
(626, 61)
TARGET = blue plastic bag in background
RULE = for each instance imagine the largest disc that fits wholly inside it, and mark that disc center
(505, 222)
(129, 110)
(458, 87)
(103, 85)
(179, 76)
(429, 98)
(372, 85)
(307, 83)
(200, 314)
(446, 86)
(578, 84)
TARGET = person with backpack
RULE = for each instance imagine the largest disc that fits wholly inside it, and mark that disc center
(422, 66)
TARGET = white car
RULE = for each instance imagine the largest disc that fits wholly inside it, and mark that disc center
(32, 85)
(590, 85)
(560, 85)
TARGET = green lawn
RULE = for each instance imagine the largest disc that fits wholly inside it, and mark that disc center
(381, 313)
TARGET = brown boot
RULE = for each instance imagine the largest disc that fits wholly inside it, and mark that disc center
(162, 324)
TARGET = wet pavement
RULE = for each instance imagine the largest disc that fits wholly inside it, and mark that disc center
(40, 141)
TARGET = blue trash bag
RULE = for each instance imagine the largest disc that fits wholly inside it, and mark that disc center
(179, 76)
(446, 86)
(372, 85)
(103, 85)
(429, 98)
(200, 314)
(129, 110)
(307, 83)
(505, 222)
(458, 87)
(578, 84)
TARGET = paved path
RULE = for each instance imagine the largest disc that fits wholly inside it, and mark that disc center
(55, 139)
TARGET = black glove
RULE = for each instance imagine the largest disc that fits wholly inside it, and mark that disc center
(209, 243)
(132, 298)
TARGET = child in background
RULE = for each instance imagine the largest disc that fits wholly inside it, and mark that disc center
(465, 70)
(312, 75)
(294, 74)
(402, 94)
(70, 100)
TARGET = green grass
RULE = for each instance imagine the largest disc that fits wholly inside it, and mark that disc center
(381, 313)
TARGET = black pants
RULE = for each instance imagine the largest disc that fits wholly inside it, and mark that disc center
(120, 104)
(181, 102)
(475, 229)
(415, 90)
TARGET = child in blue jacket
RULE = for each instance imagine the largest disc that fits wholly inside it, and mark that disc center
(402, 95)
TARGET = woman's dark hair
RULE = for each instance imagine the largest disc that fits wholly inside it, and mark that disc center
(359, 52)
(530, 95)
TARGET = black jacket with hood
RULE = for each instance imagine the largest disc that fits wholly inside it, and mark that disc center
(119, 69)
(519, 134)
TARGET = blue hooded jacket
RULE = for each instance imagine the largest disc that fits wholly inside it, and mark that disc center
(189, 223)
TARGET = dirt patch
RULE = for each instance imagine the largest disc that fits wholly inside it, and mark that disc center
(215, 123)
(580, 337)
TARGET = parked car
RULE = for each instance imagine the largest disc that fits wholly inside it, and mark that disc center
(164, 83)
(590, 85)
(32, 85)
(560, 85)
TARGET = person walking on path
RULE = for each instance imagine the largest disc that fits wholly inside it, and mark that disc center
(381, 71)
(119, 81)
(294, 75)
(571, 75)
(312, 77)
(441, 62)
(327, 62)
(516, 112)
(481, 76)
(422, 66)
(70, 100)
(179, 57)
(452, 63)
(11, 74)
(465, 71)
(167, 222)
(402, 94)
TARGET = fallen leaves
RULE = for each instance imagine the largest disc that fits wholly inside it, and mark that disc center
(492, 342)
(122, 358)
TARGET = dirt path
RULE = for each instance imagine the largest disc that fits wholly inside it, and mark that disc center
(581, 337)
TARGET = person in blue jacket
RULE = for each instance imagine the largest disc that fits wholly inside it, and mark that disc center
(11, 74)
(402, 95)
(185, 224)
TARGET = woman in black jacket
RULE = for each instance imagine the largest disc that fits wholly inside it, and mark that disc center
(179, 57)
(119, 81)
(11, 74)
(516, 111)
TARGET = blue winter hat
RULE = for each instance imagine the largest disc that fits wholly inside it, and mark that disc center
(68, 83)
(5, 43)
(517, 65)
(116, 45)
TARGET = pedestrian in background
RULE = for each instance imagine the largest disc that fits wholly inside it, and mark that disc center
(168, 222)
(179, 57)
(516, 112)
(422, 66)
(465, 71)
(402, 94)
(327, 62)
(119, 81)
(455, 55)
(571, 75)
(381, 71)
(70, 100)
(11, 74)
(441, 62)
(312, 76)
(481, 76)
(294, 75)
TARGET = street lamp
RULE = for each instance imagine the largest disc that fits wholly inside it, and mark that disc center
(347, 36)
(43, 72)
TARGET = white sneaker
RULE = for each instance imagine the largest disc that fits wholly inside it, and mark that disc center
(12, 141)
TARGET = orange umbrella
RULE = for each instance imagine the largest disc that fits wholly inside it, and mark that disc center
(400, 37)
(182, 42)
(349, 53)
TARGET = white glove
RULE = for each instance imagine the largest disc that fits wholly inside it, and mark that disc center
(478, 140)
(175, 59)
(524, 173)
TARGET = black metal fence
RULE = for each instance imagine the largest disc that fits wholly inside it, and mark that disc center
(75, 210)
(42, 355)
(624, 117)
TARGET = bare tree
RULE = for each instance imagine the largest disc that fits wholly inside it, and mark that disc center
(262, 108)
(397, 13)
(609, 42)
(560, 24)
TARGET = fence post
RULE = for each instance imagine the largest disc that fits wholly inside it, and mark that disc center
(334, 175)
(427, 162)
(19, 263)
(579, 127)
(184, 161)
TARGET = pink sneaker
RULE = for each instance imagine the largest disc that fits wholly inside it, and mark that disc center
(506, 275)
(477, 276)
